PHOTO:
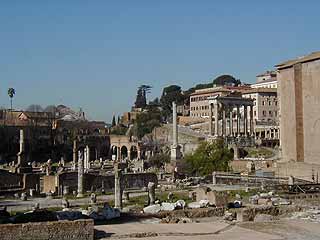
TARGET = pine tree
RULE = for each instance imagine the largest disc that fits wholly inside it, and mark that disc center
(113, 121)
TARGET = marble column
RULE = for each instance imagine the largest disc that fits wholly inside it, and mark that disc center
(117, 187)
(251, 121)
(238, 120)
(231, 122)
(75, 155)
(245, 120)
(224, 124)
(174, 124)
(88, 157)
(21, 153)
(210, 119)
(80, 173)
(216, 119)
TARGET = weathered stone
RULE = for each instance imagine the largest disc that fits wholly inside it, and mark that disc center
(23, 197)
(65, 203)
(180, 204)
(204, 203)
(93, 198)
(152, 209)
(194, 205)
(152, 192)
(167, 206)
(100, 214)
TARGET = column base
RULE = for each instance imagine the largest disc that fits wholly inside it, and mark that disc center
(80, 195)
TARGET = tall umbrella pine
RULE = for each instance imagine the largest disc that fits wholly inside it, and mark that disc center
(11, 93)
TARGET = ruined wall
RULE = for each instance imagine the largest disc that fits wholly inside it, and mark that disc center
(95, 181)
(10, 180)
(49, 184)
(59, 230)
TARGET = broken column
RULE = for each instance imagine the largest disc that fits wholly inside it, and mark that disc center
(80, 173)
(117, 187)
(152, 192)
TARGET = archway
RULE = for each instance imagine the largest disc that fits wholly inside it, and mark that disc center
(114, 152)
(124, 152)
(133, 152)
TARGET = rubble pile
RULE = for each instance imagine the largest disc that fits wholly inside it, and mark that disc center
(312, 215)
(268, 199)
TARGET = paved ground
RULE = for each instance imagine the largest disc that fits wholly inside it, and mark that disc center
(212, 230)
(283, 230)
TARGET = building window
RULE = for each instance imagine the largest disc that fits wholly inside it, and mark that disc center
(270, 113)
(255, 113)
(263, 103)
(269, 103)
(263, 113)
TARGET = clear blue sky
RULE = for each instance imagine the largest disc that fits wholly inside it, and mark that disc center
(94, 54)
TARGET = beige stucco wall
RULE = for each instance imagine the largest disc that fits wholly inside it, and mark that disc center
(311, 111)
(286, 96)
(310, 105)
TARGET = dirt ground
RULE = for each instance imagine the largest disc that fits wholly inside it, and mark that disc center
(212, 229)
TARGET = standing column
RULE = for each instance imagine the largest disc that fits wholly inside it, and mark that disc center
(21, 153)
(174, 124)
(231, 122)
(238, 120)
(80, 173)
(245, 120)
(216, 119)
(210, 119)
(224, 124)
(75, 156)
(88, 157)
(251, 121)
(117, 187)
(85, 159)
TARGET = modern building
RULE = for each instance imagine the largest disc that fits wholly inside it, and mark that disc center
(265, 104)
(199, 104)
(266, 80)
(299, 97)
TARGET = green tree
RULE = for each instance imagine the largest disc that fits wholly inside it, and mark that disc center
(209, 157)
(11, 93)
(113, 121)
(170, 94)
(226, 80)
(141, 100)
(159, 160)
(146, 122)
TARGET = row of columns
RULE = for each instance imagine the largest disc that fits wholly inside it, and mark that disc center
(271, 134)
(119, 157)
(248, 129)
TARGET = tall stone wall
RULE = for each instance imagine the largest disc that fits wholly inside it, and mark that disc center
(59, 230)
(299, 92)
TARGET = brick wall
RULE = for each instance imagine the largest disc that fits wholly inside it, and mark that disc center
(60, 230)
